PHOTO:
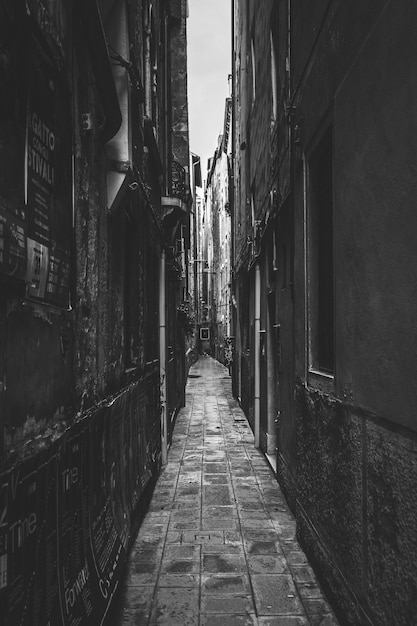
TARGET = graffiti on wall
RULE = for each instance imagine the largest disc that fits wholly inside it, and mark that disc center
(65, 515)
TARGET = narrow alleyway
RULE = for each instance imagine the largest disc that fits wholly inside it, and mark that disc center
(217, 545)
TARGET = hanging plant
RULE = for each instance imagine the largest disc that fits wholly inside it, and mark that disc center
(186, 317)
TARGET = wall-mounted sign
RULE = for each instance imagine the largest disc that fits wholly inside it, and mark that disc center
(48, 183)
(36, 160)
(37, 268)
(40, 147)
(205, 334)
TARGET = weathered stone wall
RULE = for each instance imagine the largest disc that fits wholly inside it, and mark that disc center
(79, 345)
(347, 443)
(353, 455)
(356, 506)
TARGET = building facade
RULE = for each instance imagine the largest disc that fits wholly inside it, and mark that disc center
(94, 209)
(218, 232)
(324, 283)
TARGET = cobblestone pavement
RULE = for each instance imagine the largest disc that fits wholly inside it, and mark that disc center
(217, 546)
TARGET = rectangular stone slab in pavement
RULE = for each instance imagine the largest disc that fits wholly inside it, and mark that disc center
(218, 544)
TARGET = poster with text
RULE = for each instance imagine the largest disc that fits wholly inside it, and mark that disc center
(29, 563)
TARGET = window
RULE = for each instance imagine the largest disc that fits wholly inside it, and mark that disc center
(321, 291)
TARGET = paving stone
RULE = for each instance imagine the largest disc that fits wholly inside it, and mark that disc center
(186, 505)
(134, 605)
(290, 545)
(309, 590)
(182, 553)
(316, 606)
(200, 536)
(296, 558)
(215, 479)
(251, 506)
(184, 515)
(232, 620)
(223, 564)
(260, 535)
(219, 523)
(183, 525)
(188, 490)
(146, 555)
(275, 594)
(137, 598)
(136, 578)
(217, 494)
(225, 605)
(178, 580)
(215, 468)
(157, 517)
(303, 574)
(225, 512)
(148, 542)
(152, 530)
(257, 514)
(175, 607)
(189, 501)
(226, 548)
(268, 564)
(225, 584)
(285, 531)
(256, 523)
(177, 566)
(232, 536)
(283, 621)
(160, 507)
(185, 479)
(214, 455)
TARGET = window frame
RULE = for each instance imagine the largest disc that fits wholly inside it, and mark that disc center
(320, 374)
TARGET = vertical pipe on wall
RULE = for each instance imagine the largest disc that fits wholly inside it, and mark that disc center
(162, 360)
(257, 403)
(148, 68)
(233, 308)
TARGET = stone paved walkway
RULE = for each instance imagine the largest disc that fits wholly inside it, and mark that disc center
(217, 546)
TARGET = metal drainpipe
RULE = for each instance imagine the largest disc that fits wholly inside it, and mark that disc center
(162, 360)
(148, 68)
(233, 310)
(257, 354)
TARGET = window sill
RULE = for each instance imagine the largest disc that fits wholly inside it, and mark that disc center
(321, 381)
